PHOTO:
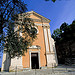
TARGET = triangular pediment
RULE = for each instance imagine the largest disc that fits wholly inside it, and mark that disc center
(37, 17)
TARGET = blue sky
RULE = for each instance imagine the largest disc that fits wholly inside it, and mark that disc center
(58, 12)
(1, 55)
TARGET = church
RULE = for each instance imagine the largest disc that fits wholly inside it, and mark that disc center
(41, 54)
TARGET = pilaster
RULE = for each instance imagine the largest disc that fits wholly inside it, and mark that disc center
(46, 38)
(49, 44)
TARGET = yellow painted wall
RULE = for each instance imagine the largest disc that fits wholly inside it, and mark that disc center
(40, 42)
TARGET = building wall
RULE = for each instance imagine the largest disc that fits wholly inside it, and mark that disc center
(40, 42)
(47, 56)
(6, 62)
(16, 62)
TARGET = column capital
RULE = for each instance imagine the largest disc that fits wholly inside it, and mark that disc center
(46, 26)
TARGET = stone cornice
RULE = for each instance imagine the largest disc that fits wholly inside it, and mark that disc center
(35, 47)
(43, 19)
(50, 53)
(46, 26)
(38, 20)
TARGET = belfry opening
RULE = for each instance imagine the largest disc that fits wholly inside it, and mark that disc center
(34, 61)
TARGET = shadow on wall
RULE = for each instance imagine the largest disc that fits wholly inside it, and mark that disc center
(7, 63)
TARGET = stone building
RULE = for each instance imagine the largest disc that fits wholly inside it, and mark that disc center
(42, 53)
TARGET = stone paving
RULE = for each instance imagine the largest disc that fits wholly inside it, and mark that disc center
(49, 71)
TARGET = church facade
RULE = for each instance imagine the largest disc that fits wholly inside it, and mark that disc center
(42, 53)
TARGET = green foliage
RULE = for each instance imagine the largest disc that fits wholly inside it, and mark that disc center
(46, 0)
(6, 10)
(12, 42)
(15, 44)
(65, 39)
(56, 34)
(66, 32)
(52, 0)
(63, 26)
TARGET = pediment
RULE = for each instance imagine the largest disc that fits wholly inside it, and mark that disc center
(37, 17)
(34, 47)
